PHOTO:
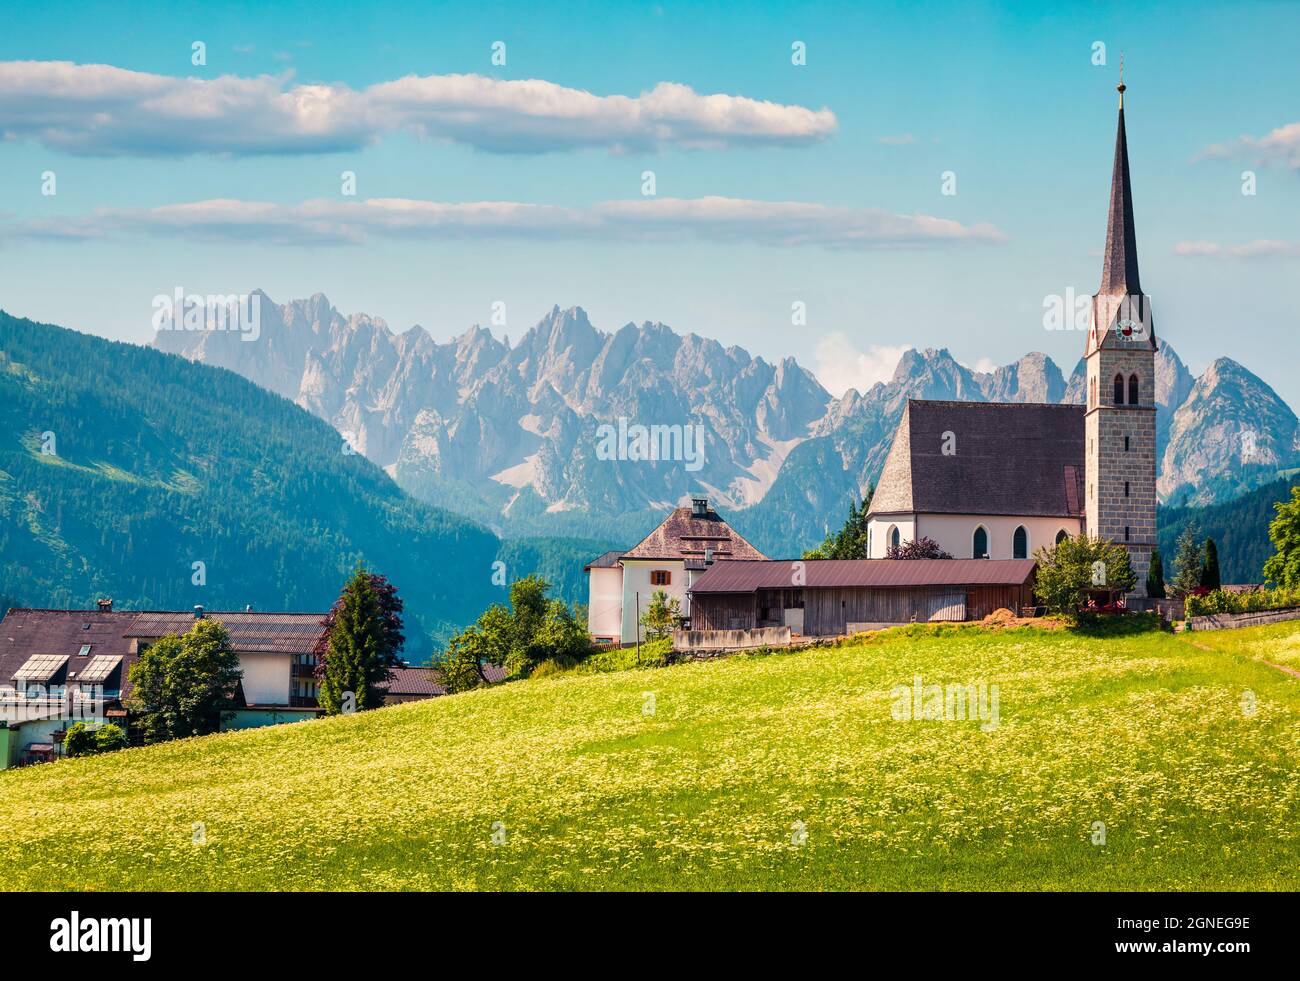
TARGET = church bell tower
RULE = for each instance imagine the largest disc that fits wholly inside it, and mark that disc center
(1120, 426)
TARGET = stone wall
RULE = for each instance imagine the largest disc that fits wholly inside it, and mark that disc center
(1230, 621)
(717, 641)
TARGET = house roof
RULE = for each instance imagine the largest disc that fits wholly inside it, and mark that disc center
(606, 560)
(113, 637)
(747, 577)
(250, 633)
(984, 458)
(684, 534)
(426, 681)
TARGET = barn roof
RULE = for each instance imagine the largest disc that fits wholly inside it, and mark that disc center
(746, 577)
(984, 458)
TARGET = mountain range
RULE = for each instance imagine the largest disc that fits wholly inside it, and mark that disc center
(509, 434)
(133, 474)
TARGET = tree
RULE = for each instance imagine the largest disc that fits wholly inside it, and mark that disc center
(1156, 576)
(359, 649)
(1283, 568)
(389, 602)
(661, 616)
(1187, 563)
(1210, 578)
(185, 686)
(518, 637)
(1070, 570)
(109, 738)
(850, 542)
(921, 548)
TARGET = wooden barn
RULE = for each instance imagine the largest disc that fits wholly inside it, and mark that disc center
(830, 597)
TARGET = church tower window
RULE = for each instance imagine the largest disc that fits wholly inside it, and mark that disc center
(1119, 389)
(1132, 389)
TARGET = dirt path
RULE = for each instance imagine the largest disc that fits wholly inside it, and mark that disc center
(1280, 667)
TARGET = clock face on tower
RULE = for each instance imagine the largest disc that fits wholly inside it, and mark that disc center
(1130, 330)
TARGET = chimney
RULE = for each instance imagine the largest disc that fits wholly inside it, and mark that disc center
(708, 555)
(105, 605)
(699, 507)
(198, 611)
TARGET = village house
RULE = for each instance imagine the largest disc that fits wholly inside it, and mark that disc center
(998, 480)
(58, 667)
(684, 545)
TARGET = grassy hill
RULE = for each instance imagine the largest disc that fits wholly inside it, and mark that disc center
(1239, 528)
(1184, 747)
(160, 463)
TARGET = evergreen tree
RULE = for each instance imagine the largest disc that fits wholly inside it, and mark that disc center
(359, 649)
(1210, 578)
(660, 617)
(1283, 567)
(1187, 563)
(1156, 576)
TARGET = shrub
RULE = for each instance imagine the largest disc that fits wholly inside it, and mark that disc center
(81, 740)
(1219, 601)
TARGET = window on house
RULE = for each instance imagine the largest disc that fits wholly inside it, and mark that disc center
(1020, 544)
(980, 544)
(1133, 389)
(660, 577)
(1119, 389)
(85, 649)
(1061, 536)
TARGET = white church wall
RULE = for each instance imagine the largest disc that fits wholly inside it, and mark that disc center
(955, 533)
(878, 530)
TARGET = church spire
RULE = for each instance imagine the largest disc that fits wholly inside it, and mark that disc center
(1119, 270)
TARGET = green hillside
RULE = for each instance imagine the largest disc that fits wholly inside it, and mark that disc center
(1239, 528)
(1184, 747)
(161, 463)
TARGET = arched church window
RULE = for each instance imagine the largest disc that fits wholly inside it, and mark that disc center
(1020, 544)
(1132, 389)
(980, 544)
(1119, 389)
(895, 539)
(1061, 536)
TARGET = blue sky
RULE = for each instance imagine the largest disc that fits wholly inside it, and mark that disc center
(892, 95)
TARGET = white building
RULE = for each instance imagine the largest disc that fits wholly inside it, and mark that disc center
(670, 558)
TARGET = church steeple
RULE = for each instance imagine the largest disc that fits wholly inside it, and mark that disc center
(1119, 269)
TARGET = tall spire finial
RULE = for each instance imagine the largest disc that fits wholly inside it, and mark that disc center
(1121, 87)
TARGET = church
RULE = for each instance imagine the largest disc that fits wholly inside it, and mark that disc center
(999, 480)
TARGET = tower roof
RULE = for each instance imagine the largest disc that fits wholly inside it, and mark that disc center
(1119, 269)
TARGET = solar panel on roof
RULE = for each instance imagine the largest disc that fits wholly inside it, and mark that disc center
(40, 667)
(99, 668)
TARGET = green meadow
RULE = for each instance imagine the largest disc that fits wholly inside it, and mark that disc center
(1140, 761)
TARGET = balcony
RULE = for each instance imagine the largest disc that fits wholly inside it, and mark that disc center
(303, 670)
(303, 701)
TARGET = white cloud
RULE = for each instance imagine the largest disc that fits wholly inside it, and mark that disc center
(326, 221)
(1258, 249)
(839, 365)
(104, 110)
(1282, 145)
